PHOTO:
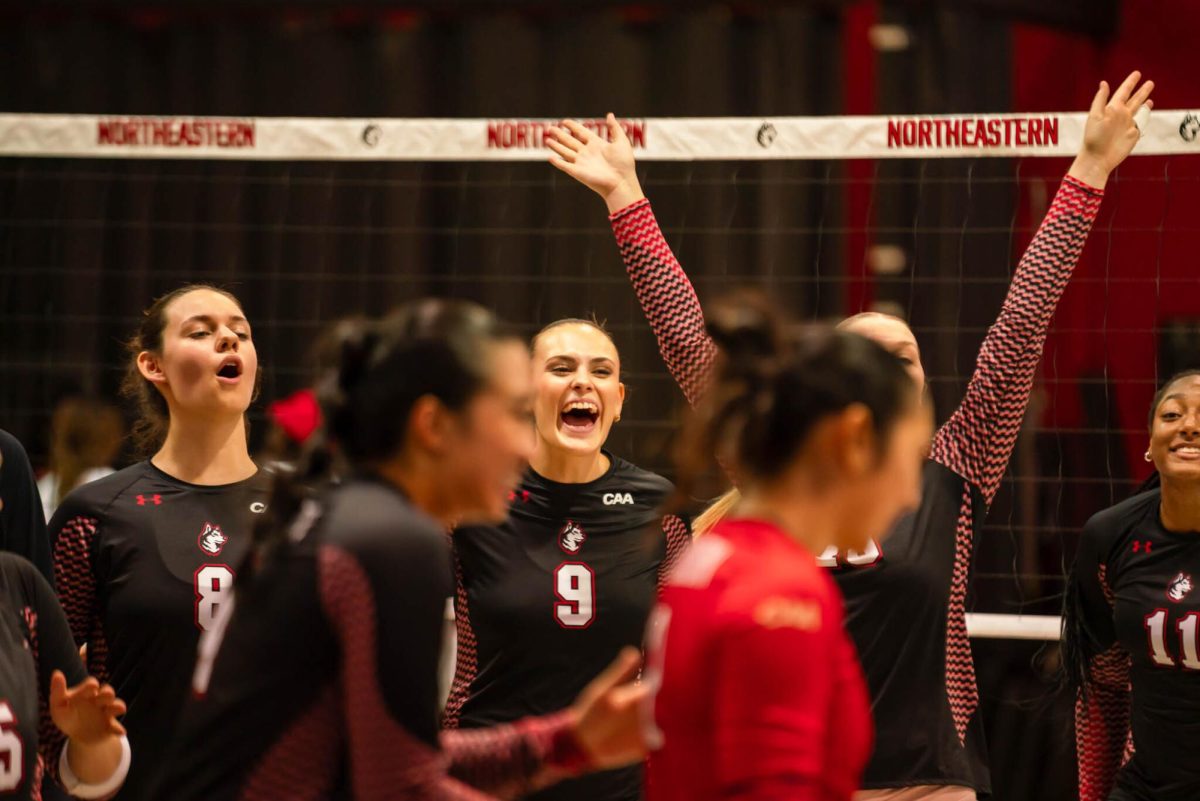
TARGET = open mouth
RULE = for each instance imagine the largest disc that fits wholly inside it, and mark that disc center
(1188, 451)
(230, 370)
(579, 417)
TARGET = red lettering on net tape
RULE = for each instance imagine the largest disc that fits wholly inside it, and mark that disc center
(523, 139)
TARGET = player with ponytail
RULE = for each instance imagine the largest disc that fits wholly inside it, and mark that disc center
(320, 681)
(759, 695)
(906, 604)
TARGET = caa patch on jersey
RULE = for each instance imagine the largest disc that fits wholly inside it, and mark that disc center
(571, 538)
(618, 499)
(1180, 587)
(212, 540)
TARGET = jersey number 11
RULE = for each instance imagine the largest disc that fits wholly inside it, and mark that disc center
(1156, 624)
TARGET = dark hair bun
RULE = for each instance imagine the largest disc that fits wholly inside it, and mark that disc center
(749, 332)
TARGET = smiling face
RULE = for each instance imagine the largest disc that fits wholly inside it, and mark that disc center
(579, 391)
(1175, 430)
(491, 445)
(207, 365)
(895, 336)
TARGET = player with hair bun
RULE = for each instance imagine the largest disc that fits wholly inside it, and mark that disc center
(320, 680)
(759, 695)
(905, 605)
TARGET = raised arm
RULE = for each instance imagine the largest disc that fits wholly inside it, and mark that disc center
(977, 441)
(1099, 668)
(606, 166)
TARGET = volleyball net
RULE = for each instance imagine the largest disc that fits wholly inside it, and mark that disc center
(313, 219)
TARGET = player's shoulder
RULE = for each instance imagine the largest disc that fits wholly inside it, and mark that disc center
(20, 582)
(763, 568)
(368, 516)
(644, 485)
(94, 499)
(11, 447)
(1109, 525)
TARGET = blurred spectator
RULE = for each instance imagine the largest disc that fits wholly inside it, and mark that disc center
(85, 438)
(22, 526)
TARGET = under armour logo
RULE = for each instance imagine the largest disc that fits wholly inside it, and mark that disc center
(514, 496)
(1142, 546)
(154, 499)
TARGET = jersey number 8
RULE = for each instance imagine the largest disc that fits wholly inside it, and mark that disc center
(213, 583)
(575, 588)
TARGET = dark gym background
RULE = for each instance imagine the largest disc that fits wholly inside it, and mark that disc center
(85, 244)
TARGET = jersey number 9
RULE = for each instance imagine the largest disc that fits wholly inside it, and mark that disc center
(575, 589)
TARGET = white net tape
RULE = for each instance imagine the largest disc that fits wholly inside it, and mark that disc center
(655, 138)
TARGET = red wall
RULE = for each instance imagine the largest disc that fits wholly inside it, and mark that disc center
(1140, 266)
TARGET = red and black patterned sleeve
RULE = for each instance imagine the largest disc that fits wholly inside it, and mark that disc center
(977, 441)
(516, 758)
(678, 535)
(667, 297)
(53, 649)
(392, 741)
(1102, 707)
(75, 578)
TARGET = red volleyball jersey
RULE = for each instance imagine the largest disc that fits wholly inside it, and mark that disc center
(757, 690)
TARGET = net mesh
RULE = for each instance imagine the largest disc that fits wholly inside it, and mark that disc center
(85, 244)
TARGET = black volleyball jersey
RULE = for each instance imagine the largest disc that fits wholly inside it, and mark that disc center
(34, 642)
(906, 599)
(143, 563)
(323, 682)
(1135, 601)
(545, 601)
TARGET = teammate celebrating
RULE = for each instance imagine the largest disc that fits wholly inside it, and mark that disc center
(759, 693)
(323, 682)
(1131, 620)
(550, 597)
(44, 726)
(906, 606)
(145, 557)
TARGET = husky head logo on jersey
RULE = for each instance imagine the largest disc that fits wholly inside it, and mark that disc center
(571, 538)
(1179, 587)
(212, 539)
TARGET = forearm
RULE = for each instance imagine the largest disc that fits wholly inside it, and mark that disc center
(666, 296)
(978, 439)
(514, 758)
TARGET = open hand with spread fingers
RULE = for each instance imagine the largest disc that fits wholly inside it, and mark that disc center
(604, 165)
(1111, 130)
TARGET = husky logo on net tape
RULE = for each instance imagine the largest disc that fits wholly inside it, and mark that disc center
(766, 135)
(1189, 128)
